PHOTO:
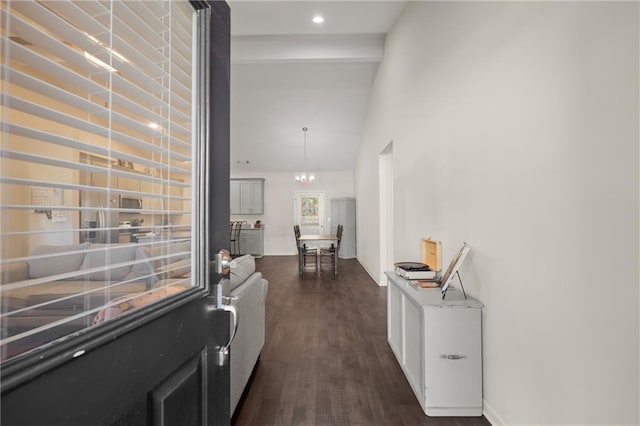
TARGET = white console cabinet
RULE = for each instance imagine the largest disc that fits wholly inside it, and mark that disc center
(438, 344)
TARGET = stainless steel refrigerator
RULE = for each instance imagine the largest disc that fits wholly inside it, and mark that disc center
(99, 217)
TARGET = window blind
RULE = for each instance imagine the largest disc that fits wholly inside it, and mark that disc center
(97, 162)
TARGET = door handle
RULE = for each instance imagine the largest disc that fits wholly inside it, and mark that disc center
(224, 303)
(223, 262)
(221, 265)
(222, 352)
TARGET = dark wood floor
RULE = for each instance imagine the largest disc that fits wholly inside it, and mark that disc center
(326, 360)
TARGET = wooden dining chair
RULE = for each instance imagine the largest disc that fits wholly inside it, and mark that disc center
(331, 253)
(305, 254)
(234, 236)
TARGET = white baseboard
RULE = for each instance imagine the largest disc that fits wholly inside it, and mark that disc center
(384, 281)
(286, 253)
(490, 414)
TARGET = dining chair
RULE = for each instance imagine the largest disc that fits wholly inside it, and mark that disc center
(234, 236)
(304, 253)
(331, 252)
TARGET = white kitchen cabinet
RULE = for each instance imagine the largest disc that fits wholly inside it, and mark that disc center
(128, 183)
(438, 344)
(247, 196)
(174, 190)
(343, 212)
(151, 202)
(234, 197)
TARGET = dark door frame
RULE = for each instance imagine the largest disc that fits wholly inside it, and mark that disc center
(79, 379)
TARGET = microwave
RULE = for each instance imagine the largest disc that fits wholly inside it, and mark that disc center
(130, 203)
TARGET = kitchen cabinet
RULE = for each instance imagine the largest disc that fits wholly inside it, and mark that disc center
(174, 190)
(234, 197)
(161, 202)
(246, 196)
(438, 344)
(128, 184)
(151, 202)
(103, 180)
(252, 241)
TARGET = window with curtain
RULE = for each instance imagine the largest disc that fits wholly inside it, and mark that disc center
(97, 113)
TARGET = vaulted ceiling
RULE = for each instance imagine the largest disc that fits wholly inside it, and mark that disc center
(288, 73)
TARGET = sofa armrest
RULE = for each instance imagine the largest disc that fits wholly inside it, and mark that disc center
(15, 271)
(247, 345)
(179, 269)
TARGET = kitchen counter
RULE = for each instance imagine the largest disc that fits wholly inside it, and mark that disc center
(163, 236)
(252, 241)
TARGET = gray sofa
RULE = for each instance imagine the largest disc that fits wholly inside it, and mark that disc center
(249, 291)
(78, 268)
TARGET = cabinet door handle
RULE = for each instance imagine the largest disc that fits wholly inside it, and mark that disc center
(452, 356)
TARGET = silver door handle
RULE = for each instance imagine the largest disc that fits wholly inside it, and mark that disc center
(224, 303)
(223, 352)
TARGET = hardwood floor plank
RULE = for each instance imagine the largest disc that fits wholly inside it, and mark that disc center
(326, 360)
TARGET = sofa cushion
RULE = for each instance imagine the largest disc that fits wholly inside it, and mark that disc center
(86, 294)
(142, 269)
(10, 303)
(167, 253)
(245, 266)
(69, 260)
(179, 269)
(118, 253)
(133, 301)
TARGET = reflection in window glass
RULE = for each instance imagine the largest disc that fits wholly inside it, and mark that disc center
(96, 163)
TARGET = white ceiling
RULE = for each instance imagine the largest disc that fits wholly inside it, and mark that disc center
(288, 73)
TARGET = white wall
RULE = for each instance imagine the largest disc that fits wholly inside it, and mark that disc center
(279, 189)
(515, 128)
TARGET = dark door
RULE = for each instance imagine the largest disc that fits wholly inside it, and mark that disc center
(162, 363)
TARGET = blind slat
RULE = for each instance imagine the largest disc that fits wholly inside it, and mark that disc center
(179, 229)
(95, 189)
(136, 99)
(57, 116)
(44, 160)
(84, 41)
(93, 209)
(87, 147)
(98, 107)
(58, 93)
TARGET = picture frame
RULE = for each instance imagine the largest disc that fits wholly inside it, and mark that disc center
(454, 266)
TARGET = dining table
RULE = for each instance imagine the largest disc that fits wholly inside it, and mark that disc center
(316, 238)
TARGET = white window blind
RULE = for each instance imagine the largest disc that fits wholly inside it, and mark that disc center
(97, 113)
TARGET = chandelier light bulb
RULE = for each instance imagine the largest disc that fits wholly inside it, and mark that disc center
(305, 177)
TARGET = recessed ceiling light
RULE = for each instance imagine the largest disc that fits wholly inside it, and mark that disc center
(318, 19)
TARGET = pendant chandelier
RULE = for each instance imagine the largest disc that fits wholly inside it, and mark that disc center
(305, 177)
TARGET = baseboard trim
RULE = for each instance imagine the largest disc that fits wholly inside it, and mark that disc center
(384, 282)
(490, 414)
(286, 253)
